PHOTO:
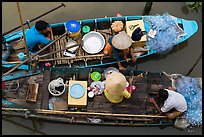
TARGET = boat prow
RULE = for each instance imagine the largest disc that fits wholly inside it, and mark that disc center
(190, 27)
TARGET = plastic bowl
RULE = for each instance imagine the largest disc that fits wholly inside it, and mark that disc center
(52, 84)
(95, 76)
(93, 42)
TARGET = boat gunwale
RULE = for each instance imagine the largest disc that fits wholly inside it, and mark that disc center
(45, 111)
(149, 52)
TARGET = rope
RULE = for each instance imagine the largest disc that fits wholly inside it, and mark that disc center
(13, 83)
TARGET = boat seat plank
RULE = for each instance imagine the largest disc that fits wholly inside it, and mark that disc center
(45, 92)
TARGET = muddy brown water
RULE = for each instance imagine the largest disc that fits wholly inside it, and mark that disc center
(179, 60)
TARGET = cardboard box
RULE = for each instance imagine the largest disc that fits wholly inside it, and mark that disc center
(140, 23)
(77, 102)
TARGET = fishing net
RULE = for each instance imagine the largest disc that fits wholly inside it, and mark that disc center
(192, 91)
(168, 33)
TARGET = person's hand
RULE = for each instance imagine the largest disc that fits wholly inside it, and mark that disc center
(48, 38)
(127, 59)
(134, 59)
(121, 68)
(171, 88)
(49, 29)
(130, 79)
(151, 100)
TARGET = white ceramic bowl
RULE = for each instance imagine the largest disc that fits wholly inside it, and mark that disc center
(93, 42)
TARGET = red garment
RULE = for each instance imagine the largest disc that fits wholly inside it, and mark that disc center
(3, 85)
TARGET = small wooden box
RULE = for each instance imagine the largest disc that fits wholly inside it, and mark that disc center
(32, 92)
(77, 102)
(140, 23)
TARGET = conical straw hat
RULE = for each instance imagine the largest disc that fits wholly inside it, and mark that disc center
(115, 83)
(122, 41)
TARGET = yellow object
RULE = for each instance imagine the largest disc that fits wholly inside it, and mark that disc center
(77, 102)
(117, 98)
(115, 88)
(77, 34)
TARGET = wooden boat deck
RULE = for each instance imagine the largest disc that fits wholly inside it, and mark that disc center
(82, 57)
(81, 54)
(133, 111)
(137, 104)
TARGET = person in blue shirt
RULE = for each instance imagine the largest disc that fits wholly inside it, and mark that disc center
(38, 35)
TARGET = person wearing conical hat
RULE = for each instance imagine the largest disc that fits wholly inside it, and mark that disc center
(117, 43)
(115, 87)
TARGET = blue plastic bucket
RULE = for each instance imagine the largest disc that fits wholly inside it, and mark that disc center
(73, 27)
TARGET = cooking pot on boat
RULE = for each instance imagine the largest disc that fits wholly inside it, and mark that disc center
(93, 42)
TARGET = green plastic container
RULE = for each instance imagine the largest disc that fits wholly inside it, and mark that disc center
(86, 29)
(95, 76)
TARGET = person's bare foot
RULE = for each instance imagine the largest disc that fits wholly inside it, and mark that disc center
(121, 68)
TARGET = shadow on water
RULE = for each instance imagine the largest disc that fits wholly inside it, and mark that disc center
(185, 10)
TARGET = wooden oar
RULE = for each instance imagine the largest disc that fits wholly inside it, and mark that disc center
(25, 45)
(67, 58)
(12, 62)
(34, 54)
(84, 113)
(62, 5)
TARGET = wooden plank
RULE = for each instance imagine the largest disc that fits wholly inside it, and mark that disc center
(61, 52)
(57, 54)
(55, 48)
(54, 55)
(65, 41)
(60, 105)
(45, 94)
(32, 92)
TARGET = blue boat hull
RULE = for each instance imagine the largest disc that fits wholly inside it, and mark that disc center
(190, 27)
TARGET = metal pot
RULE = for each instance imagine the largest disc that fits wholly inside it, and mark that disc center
(93, 42)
